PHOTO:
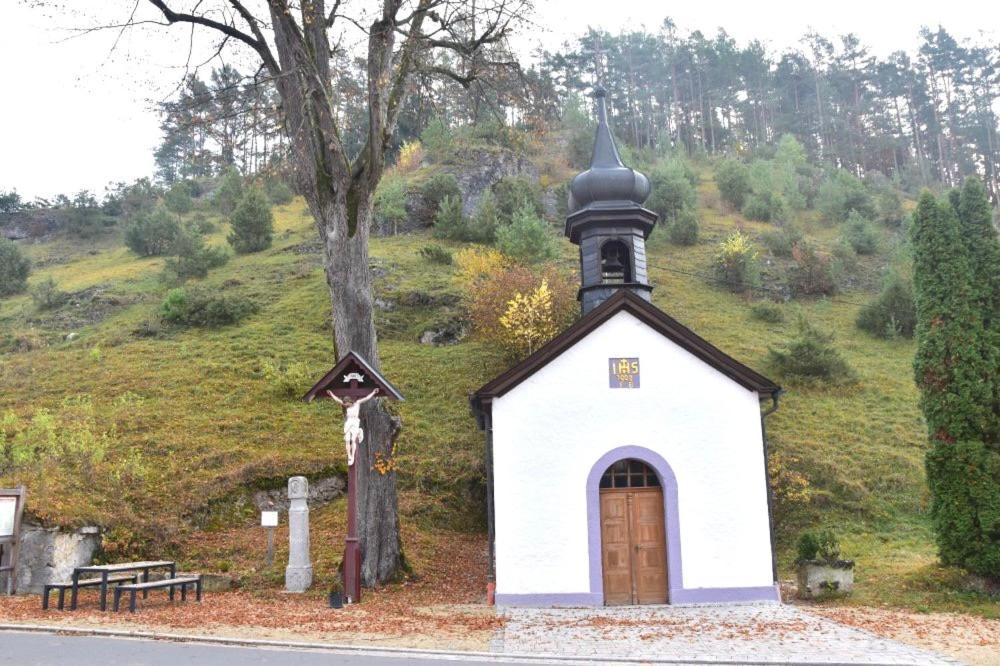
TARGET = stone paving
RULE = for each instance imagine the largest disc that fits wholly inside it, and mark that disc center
(758, 634)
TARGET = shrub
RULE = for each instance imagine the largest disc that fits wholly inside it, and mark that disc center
(514, 193)
(85, 218)
(193, 258)
(287, 381)
(199, 224)
(733, 180)
(437, 139)
(202, 308)
(439, 186)
(449, 222)
(153, 234)
(436, 254)
(893, 313)
(390, 202)
(860, 234)
(782, 241)
(736, 263)
(178, 199)
(411, 155)
(840, 194)
(477, 264)
(765, 207)
(529, 320)
(810, 356)
(684, 230)
(790, 489)
(47, 295)
(812, 274)
(230, 191)
(483, 225)
(252, 222)
(14, 268)
(823, 546)
(527, 238)
(767, 312)
(889, 206)
(671, 192)
(278, 191)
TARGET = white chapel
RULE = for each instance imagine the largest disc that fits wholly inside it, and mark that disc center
(626, 458)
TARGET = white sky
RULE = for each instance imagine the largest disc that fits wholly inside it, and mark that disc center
(75, 115)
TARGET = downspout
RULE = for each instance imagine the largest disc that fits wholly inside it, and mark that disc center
(767, 481)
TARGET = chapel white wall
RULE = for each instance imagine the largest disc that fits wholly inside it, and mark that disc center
(550, 430)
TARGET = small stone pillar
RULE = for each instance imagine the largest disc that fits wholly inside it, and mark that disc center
(298, 573)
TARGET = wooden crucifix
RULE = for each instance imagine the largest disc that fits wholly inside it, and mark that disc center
(351, 383)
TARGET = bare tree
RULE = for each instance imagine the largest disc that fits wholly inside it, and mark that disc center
(295, 43)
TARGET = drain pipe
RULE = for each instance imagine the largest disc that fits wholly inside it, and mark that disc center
(767, 480)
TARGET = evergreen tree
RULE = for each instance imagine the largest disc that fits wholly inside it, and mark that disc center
(14, 268)
(963, 471)
(252, 222)
(230, 191)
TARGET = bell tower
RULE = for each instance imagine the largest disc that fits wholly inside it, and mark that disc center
(607, 220)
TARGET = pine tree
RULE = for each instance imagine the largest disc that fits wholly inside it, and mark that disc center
(14, 268)
(963, 472)
(252, 222)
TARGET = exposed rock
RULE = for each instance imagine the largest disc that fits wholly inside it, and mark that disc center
(451, 332)
(322, 491)
(424, 299)
(32, 224)
(49, 555)
(384, 305)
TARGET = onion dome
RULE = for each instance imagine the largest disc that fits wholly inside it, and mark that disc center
(608, 183)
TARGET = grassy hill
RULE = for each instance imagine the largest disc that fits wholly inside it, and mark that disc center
(182, 418)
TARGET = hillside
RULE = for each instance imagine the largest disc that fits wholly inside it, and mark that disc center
(183, 418)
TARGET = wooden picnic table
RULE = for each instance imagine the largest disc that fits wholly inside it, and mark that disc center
(104, 570)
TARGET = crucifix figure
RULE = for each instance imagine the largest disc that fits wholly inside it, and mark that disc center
(353, 434)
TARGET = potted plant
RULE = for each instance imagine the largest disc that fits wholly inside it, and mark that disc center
(337, 592)
(821, 572)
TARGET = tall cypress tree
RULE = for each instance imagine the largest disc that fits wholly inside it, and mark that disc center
(963, 471)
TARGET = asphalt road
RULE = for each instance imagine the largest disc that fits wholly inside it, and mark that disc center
(38, 649)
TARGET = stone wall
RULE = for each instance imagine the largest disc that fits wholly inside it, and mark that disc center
(49, 554)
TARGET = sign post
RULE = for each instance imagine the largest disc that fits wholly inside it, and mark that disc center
(351, 383)
(11, 508)
(269, 521)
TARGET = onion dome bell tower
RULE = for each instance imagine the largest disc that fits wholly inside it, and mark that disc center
(607, 220)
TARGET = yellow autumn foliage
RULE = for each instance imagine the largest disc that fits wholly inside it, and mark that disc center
(530, 319)
(476, 264)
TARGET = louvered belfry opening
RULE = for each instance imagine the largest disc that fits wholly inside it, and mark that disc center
(607, 221)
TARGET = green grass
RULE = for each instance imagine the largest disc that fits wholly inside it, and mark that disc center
(201, 421)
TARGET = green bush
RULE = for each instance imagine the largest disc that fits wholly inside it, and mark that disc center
(672, 192)
(768, 312)
(178, 199)
(390, 202)
(810, 356)
(252, 222)
(203, 308)
(823, 546)
(47, 296)
(765, 207)
(153, 234)
(193, 259)
(278, 191)
(892, 314)
(735, 263)
(437, 139)
(861, 234)
(811, 274)
(14, 268)
(288, 381)
(840, 194)
(781, 242)
(85, 217)
(512, 194)
(230, 191)
(436, 254)
(527, 238)
(733, 179)
(889, 206)
(684, 230)
(199, 224)
(437, 187)
(450, 222)
(483, 225)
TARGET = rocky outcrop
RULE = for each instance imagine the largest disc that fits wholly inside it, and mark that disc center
(322, 491)
(49, 555)
(31, 224)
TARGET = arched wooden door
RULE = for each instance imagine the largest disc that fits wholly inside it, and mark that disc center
(633, 543)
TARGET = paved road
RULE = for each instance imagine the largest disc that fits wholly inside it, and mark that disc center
(39, 649)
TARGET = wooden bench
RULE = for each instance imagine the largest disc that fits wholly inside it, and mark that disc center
(170, 583)
(92, 582)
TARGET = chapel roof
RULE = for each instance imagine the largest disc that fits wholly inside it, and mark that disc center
(652, 316)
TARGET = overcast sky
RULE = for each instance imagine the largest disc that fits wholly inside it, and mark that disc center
(77, 114)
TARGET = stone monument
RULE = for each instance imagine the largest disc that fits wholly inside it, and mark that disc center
(298, 573)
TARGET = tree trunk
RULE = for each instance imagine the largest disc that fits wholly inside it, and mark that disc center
(345, 259)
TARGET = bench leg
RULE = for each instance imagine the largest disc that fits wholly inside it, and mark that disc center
(62, 597)
(145, 579)
(197, 589)
(131, 602)
(76, 590)
(184, 590)
(171, 593)
(104, 590)
(118, 598)
(45, 597)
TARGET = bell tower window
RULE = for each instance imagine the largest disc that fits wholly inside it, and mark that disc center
(616, 264)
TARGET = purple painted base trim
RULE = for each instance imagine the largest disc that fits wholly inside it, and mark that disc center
(571, 599)
(718, 595)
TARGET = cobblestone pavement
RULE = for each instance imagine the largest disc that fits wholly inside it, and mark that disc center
(760, 634)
